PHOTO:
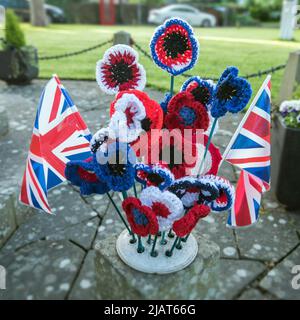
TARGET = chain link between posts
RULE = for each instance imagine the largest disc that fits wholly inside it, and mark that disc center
(257, 74)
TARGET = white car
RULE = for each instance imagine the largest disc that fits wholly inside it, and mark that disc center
(188, 13)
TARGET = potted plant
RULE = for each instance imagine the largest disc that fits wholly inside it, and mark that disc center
(286, 154)
(18, 62)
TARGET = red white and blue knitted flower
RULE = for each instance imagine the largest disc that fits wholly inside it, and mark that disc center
(141, 218)
(192, 190)
(184, 112)
(232, 93)
(116, 166)
(157, 175)
(202, 90)
(174, 47)
(82, 175)
(133, 112)
(186, 224)
(226, 196)
(119, 70)
(167, 206)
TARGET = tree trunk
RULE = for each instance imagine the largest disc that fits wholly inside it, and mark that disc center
(37, 13)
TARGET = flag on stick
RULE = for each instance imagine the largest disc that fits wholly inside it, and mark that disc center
(250, 150)
(59, 135)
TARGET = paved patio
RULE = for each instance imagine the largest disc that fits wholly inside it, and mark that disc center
(53, 257)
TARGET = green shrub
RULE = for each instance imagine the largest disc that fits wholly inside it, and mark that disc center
(14, 36)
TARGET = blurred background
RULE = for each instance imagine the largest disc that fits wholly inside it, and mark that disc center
(207, 13)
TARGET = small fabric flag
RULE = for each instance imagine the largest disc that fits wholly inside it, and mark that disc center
(250, 150)
(59, 135)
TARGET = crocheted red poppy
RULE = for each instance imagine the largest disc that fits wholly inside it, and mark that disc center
(154, 113)
(187, 223)
(184, 112)
(142, 219)
(201, 94)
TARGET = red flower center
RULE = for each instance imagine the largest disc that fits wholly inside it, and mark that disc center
(160, 209)
(129, 116)
(87, 176)
(222, 197)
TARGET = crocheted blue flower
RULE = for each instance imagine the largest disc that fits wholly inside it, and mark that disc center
(202, 90)
(154, 175)
(116, 166)
(174, 47)
(232, 93)
(164, 104)
(82, 174)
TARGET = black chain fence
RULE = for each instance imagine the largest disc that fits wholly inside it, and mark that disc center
(257, 74)
(76, 53)
(249, 76)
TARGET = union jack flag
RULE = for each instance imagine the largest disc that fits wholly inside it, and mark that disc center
(59, 135)
(250, 150)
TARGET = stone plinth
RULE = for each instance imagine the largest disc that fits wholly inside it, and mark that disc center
(115, 280)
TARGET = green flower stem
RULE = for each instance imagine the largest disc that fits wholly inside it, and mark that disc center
(153, 252)
(163, 240)
(140, 248)
(179, 246)
(169, 253)
(207, 145)
(186, 238)
(149, 239)
(171, 234)
(172, 86)
(133, 240)
(134, 189)
(124, 194)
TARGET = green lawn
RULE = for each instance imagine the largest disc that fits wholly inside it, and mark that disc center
(250, 49)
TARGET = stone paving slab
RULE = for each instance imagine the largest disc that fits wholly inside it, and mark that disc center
(85, 287)
(44, 270)
(279, 281)
(233, 277)
(71, 212)
(7, 218)
(269, 240)
(255, 294)
(4, 125)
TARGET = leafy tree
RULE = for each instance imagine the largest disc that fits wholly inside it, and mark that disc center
(14, 36)
(261, 9)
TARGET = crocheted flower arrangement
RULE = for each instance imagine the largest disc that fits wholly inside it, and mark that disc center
(161, 151)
